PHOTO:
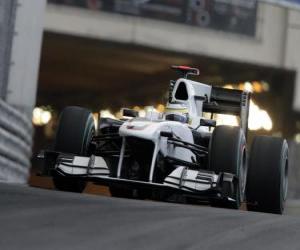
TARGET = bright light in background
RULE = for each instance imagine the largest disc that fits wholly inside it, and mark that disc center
(258, 118)
(142, 113)
(96, 119)
(107, 114)
(228, 86)
(41, 116)
(160, 108)
(248, 87)
(297, 138)
(45, 117)
(253, 87)
(229, 120)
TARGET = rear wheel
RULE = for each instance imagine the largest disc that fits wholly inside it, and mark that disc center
(75, 130)
(268, 175)
(228, 154)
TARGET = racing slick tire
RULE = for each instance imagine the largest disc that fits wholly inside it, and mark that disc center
(227, 153)
(267, 182)
(74, 132)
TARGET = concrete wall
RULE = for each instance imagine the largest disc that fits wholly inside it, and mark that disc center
(25, 57)
(292, 52)
(275, 44)
(20, 42)
(7, 23)
(265, 48)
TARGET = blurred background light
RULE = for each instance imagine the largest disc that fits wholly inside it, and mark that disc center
(248, 87)
(41, 116)
(107, 114)
(229, 120)
(258, 118)
(297, 138)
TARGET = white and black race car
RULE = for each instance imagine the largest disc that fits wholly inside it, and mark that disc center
(177, 155)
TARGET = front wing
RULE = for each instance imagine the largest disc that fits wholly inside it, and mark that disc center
(201, 183)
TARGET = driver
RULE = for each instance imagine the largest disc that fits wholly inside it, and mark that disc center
(177, 112)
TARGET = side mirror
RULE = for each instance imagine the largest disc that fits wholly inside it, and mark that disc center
(130, 113)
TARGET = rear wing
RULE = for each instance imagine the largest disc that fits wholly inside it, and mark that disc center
(229, 101)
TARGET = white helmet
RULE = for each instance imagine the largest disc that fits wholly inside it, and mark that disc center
(177, 112)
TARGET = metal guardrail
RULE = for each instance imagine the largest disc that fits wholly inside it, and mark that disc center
(15, 144)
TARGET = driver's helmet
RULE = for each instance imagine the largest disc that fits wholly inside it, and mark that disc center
(177, 112)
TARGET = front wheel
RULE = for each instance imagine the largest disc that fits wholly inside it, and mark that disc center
(267, 183)
(228, 154)
(75, 129)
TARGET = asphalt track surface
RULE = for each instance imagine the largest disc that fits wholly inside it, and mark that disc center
(32, 218)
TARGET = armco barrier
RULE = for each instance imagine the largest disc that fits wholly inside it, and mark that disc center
(15, 144)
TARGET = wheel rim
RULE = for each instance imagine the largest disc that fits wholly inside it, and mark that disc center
(243, 175)
(88, 135)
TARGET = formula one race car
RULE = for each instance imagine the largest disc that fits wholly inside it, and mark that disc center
(178, 155)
